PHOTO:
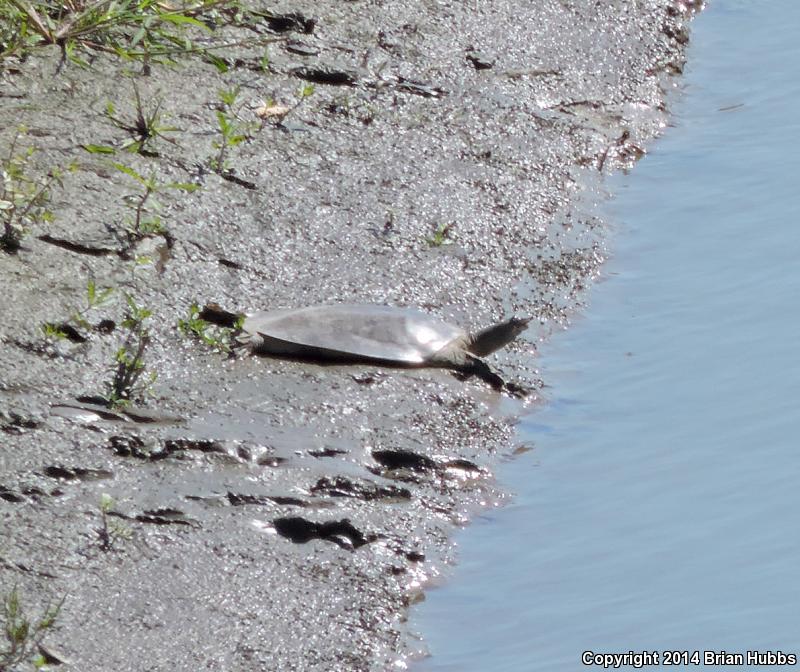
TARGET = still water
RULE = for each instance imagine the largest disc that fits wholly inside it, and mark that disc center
(659, 509)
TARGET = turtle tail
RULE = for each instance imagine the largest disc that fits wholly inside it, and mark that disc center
(214, 313)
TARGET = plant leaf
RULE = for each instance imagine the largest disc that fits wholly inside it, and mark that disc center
(130, 172)
(99, 149)
(219, 63)
(179, 19)
(183, 186)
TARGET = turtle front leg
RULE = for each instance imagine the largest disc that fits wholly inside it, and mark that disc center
(467, 365)
(518, 390)
(475, 366)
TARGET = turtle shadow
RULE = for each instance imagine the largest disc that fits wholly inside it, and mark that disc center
(333, 359)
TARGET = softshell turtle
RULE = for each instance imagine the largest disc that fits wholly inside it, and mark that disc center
(381, 334)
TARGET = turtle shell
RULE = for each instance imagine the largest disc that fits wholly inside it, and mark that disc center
(351, 332)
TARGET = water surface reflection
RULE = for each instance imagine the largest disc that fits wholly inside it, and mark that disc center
(658, 509)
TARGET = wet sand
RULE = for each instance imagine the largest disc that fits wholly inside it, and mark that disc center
(448, 158)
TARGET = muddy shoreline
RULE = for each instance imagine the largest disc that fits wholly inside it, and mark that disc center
(283, 515)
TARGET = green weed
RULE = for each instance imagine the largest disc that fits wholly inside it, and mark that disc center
(305, 91)
(94, 299)
(144, 129)
(23, 635)
(129, 380)
(56, 331)
(232, 132)
(24, 199)
(441, 236)
(53, 331)
(146, 221)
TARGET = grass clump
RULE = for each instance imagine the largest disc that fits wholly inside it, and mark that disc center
(151, 31)
(144, 128)
(147, 29)
(22, 634)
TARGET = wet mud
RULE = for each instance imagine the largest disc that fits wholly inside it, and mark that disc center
(249, 513)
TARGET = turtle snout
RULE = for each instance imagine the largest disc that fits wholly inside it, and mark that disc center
(520, 323)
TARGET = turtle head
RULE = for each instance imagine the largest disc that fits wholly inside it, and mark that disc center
(486, 341)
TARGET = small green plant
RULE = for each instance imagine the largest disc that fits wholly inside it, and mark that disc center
(441, 236)
(306, 91)
(232, 132)
(23, 635)
(53, 332)
(145, 221)
(264, 60)
(109, 532)
(303, 93)
(218, 338)
(94, 299)
(129, 380)
(24, 199)
(56, 331)
(145, 128)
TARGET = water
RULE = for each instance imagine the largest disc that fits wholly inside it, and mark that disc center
(659, 508)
